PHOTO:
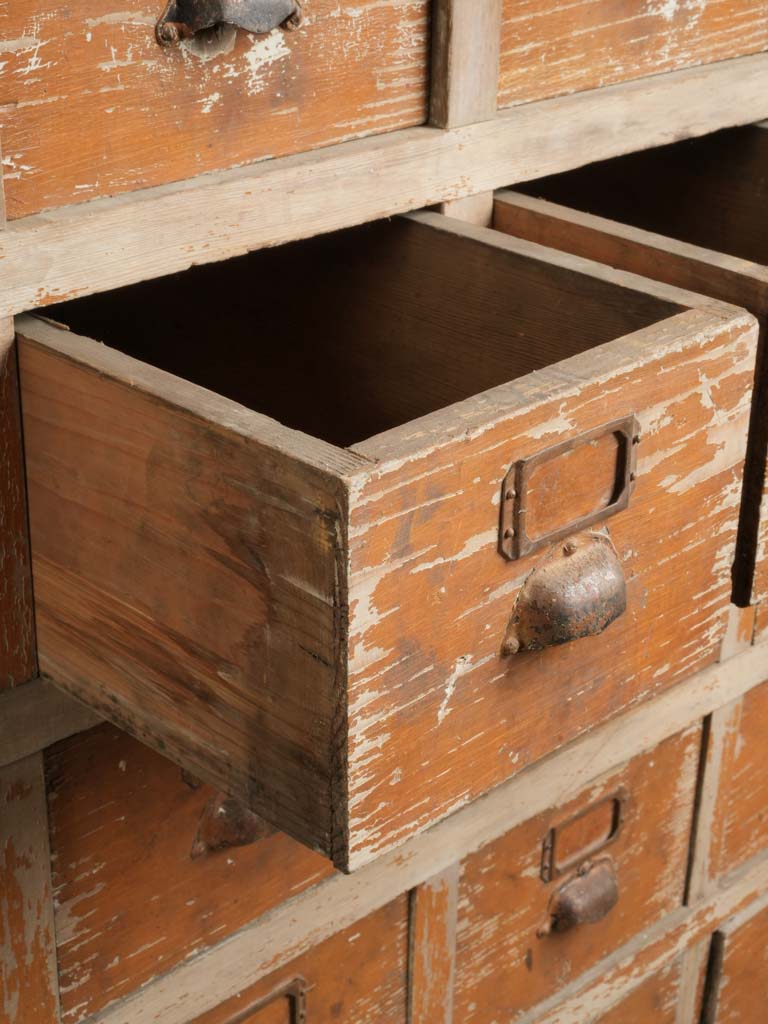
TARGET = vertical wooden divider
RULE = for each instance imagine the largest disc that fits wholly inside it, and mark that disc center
(28, 970)
(432, 954)
(465, 80)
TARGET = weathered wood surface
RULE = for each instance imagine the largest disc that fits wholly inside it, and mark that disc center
(586, 45)
(465, 61)
(502, 965)
(432, 958)
(112, 242)
(358, 975)
(736, 786)
(28, 977)
(204, 586)
(340, 901)
(36, 715)
(436, 715)
(91, 105)
(740, 969)
(131, 902)
(654, 1001)
(176, 494)
(655, 201)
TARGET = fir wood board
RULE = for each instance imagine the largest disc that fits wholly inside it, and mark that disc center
(91, 105)
(589, 45)
(107, 243)
(387, 703)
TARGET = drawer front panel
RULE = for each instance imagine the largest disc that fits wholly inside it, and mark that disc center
(511, 954)
(358, 975)
(342, 637)
(91, 105)
(587, 45)
(655, 1001)
(738, 983)
(644, 213)
(739, 828)
(132, 901)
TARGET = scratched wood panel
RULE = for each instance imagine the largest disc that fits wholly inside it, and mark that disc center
(503, 968)
(358, 975)
(381, 702)
(648, 219)
(585, 45)
(738, 828)
(740, 970)
(432, 943)
(91, 105)
(131, 902)
(28, 985)
(17, 647)
(653, 1002)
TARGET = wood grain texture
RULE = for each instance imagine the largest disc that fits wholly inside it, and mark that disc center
(654, 1001)
(252, 690)
(36, 715)
(740, 982)
(465, 61)
(28, 977)
(584, 45)
(212, 516)
(659, 196)
(433, 916)
(502, 966)
(91, 105)
(430, 697)
(17, 631)
(358, 975)
(213, 217)
(131, 902)
(295, 927)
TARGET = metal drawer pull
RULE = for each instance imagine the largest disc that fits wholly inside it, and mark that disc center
(182, 19)
(585, 899)
(226, 823)
(578, 590)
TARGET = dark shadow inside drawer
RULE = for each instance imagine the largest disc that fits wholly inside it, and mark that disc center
(348, 335)
(711, 192)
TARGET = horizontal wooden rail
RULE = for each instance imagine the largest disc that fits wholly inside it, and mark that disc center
(34, 716)
(107, 243)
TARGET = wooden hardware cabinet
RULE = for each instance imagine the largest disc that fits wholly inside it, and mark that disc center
(423, 546)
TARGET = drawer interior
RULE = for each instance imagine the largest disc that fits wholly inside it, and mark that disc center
(348, 335)
(711, 192)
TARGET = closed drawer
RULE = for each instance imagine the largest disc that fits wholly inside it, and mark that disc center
(737, 772)
(139, 885)
(549, 900)
(91, 105)
(587, 45)
(358, 975)
(320, 615)
(737, 986)
(695, 215)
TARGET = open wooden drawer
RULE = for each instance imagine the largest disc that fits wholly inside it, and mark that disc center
(339, 584)
(695, 215)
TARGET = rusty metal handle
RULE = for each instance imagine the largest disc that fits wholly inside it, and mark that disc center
(586, 899)
(578, 590)
(182, 19)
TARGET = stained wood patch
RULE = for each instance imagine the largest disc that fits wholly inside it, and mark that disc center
(28, 978)
(90, 105)
(567, 48)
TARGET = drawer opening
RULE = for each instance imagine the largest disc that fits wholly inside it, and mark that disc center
(711, 192)
(348, 335)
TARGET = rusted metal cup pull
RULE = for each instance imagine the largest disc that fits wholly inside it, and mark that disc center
(225, 823)
(183, 19)
(578, 590)
(585, 899)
